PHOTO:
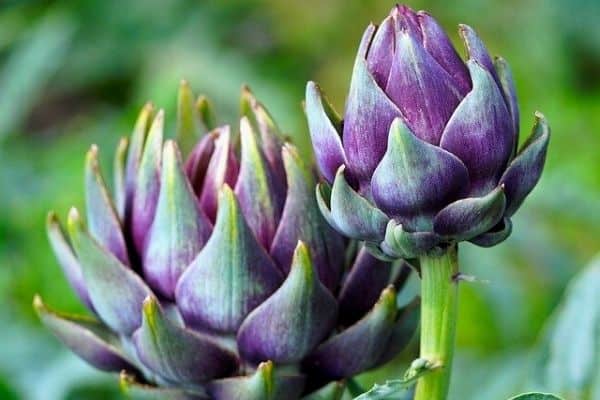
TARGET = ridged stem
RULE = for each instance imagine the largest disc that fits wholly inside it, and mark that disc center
(439, 297)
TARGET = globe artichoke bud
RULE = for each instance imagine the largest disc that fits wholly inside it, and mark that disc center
(218, 277)
(426, 154)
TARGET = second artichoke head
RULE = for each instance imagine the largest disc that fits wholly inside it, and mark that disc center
(427, 152)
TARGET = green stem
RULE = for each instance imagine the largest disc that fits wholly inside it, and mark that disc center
(438, 321)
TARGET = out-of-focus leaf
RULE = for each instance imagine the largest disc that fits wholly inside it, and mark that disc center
(489, 376)
(570, 357)
(63, 375)
(6, 391)
(29, 68)
(333, 391)
(535, 396)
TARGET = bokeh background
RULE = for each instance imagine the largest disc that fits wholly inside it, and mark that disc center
(74, 73)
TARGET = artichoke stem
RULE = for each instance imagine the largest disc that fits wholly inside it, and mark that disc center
(439, 297)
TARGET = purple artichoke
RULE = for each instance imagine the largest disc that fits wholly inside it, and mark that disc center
(426, 154)
(205, 277)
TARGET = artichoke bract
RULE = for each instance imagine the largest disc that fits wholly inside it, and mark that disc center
(218, 277)
(426, 154)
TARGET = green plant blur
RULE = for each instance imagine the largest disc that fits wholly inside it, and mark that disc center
(74, 73)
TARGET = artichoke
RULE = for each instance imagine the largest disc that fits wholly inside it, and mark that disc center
(217, 277)
(426, 155)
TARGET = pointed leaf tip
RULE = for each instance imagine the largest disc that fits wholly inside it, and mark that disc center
(116, 291)
(120, 178)
(525, 170)
(66, 258)
(301, 220)
(86, 337)
(325, 129)
(144, 391)
(207, 113)
(359, 347)
(146, 184)
(267, 383)
(178, 219)
(103, 221)
(176, 353)
(187, 130)
(231, 276)
(257, 189)
(261, 337)
(480, 131)
(223, 167)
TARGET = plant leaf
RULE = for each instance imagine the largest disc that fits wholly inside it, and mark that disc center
(571, 350)
(399, 388)
(535, 396)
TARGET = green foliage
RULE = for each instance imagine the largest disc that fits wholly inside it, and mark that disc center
(569, 360)
(535, 396)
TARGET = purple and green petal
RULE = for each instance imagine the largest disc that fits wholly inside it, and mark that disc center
(480, 132)
(325, 127)
(271, 137)
(359, 347)
(401, 243)
(383, 253)
(369, 113)
(230, 277)
(415, 178)
(119, 178)
(525, 170)
(437, 43)
(472, 216)
(496, 235)
(147, 184)
(294, 320)
(135, 152)
(144, 391)
(301, 220)
(178, 354)
(222, 169)
(507, 85)
(86, 337)
(350, 213)
(381, 52)
(116, 292)
(179, 229)
(423, 90)
(256, 188)
(187, 131)
(476, 50)
(103, 222)
(197, 162)
(362, 286)
(267, 383)
(407, 21)
(66, 258)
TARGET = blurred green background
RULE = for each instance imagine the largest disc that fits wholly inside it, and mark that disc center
(74, 73)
